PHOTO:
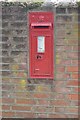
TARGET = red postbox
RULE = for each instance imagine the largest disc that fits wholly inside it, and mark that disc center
(41, 45)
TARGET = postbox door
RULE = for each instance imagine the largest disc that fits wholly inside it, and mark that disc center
(42, 55)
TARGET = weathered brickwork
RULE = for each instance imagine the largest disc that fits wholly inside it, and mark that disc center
(23, 98)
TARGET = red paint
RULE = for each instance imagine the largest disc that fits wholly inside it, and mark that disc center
(42, 59)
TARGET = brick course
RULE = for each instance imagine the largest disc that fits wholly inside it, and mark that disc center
(39, 98)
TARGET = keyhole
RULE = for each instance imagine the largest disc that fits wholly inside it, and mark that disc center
(38, 57)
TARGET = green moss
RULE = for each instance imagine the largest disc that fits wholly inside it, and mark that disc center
(34, 5)
(78, 3)
(26, 6)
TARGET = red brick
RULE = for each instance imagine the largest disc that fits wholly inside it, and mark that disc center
(42, 88)
(0, 100)
(16, 81)
(74, 62)
(74, 102)
(73, 116)
(43, 102)
(59, 103)
(60, 32)
(7, 87)
(75, 48)
(72, 55)
(72, 83)
(79, 47)
(79, 89)
(5, 94)
(71, 110)
(79, 53)
(24, 95)
(66, 62)
(41, 95)
(8, 100)
(62, 90)
(59, 96)
(78, 62)
(60, 69)
(59, 83)
(63, 76)
(5, 107)
(79, 76)
(21, 108)
(0, 114)
(76, 89)
(59, 76)
(8, 114)
(67, 75)
(40, 109)
(73, 96)
(42, 115)
(75, 76)
(24, 114)
(73, 42)
(60, 48)
(6, 80)
(59, 109)
(25, 101)
(57, 116)
(72, 69)
(68, 48)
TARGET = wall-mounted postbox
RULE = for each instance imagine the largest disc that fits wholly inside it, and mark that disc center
(41, 45)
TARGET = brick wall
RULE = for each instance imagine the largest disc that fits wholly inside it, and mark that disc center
(39, 98)
(0, 61)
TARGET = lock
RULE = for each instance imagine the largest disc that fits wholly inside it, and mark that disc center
(39, 57)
